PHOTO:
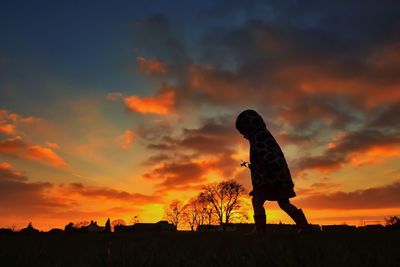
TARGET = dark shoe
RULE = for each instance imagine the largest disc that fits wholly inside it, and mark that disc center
(260, 222)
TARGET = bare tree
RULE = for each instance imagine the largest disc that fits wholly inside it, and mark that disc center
(225, 197)
(173, 212)
(135, 219)
(192, 213)
(208, 214)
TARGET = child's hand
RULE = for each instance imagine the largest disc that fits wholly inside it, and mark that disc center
(251, 193)
(245, 164)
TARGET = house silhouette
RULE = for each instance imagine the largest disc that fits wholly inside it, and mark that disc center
(162, 226)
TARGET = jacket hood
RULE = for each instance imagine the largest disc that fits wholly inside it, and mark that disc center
(248, 122)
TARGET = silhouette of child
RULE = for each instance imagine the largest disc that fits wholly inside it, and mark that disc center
(270, 174)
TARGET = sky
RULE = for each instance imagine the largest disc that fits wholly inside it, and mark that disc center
(112, 109)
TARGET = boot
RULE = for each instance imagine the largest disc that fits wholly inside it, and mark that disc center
(260, 224)
(300, 219)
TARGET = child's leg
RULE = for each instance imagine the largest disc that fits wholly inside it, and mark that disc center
(296, 214)
(259, 212)
(258, 204)
(286, 206)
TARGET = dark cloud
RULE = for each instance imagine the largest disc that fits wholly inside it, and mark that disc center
(318, 111)
(108, 193)
(178, 173)
(156, 36)
(19, 196)
(316, 70)
(387, 117)
(154, 131)
(315, 59)
(185, 160)
(214, 136)
(348, 144)
(382, 197)
(23, 198)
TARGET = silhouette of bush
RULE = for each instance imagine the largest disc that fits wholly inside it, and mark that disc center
(56, 231)
(393, 222)
(70, 228)
(29, 229)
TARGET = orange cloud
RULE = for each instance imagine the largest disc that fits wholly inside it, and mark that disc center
(7, 173)
(160, 104)
(125, 140)
(52, 145)
(9, 121)
(18, 147)
(51, 205)
(45, 154)
(7, 129)
(380, 197)
(152, 66)
(374, 155)
(362, 147)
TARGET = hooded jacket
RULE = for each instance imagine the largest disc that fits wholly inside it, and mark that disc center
(267, 163)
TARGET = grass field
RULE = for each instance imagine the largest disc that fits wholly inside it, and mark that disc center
(201, 249)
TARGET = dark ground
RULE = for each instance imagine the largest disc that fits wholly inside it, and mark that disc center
(201, 249)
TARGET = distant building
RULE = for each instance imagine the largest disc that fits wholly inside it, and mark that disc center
(338, 228)
(162, 226)
(372, 227)
(94, 228)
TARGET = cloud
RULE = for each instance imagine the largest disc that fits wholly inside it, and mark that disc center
(386, 117)
(156, 36)
(303, 70)
(46, 155)
(381, 197)
(160, 104)
(114, 96)
(9, 122)
(152, 67)
(52, 145)
(178, 173)
(191, 158)
(108, 193)
(24, 200)
(126, 139)
(19, 196)
(7, 173)
(313, 77)
(18, 147)
(214, 136)
(7, 129)
(361, 147)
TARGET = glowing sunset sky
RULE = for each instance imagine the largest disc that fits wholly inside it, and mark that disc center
(114, 108)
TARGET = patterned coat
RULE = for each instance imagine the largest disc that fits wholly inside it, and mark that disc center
(270, 173)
